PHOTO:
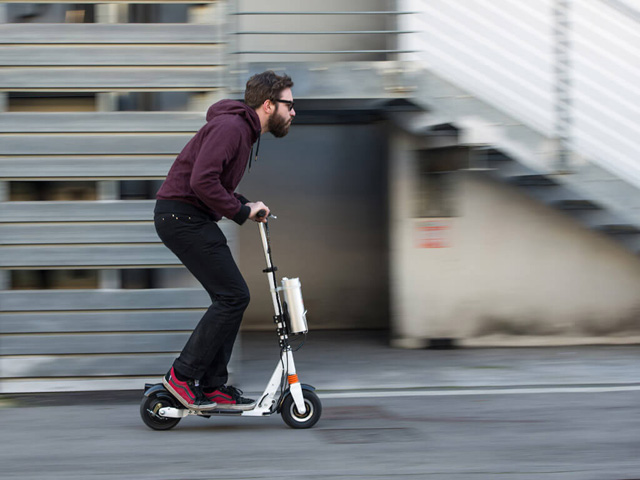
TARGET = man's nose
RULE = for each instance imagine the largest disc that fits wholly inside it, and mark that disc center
(292, 112)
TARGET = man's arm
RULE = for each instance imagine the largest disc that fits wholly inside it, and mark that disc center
(255, 208)
(243, 200)
(218, 148)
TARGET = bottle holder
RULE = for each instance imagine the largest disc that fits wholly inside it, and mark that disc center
(295, 314)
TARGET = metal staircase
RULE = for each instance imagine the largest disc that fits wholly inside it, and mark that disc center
(545, 98)
(516, 154)
(555, 191)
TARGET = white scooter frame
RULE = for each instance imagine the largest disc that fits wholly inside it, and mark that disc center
(298, 404)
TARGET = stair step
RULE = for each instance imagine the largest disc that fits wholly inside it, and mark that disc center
(496, 156)
(619, 229)
(577, 205)
(533, 181)
(490, 154)
(441, 129)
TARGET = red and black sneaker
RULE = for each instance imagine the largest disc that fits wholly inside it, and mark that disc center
(228, 397)
(188, 393)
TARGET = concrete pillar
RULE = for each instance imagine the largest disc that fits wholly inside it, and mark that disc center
(207, 13)
(200, 101)
(4, 192)
(4, 186)
(108, 102)
(4, 274)
(5, 280)
(216, 15)
(108, 190)
(4, 104)
(111, 13)
(108, 279)
(403, 185)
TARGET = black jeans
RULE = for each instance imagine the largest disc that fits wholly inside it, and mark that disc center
(202, 247)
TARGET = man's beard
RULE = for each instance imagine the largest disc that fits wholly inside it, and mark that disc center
(278, 126)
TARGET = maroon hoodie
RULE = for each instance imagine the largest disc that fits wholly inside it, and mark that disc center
(211, 165)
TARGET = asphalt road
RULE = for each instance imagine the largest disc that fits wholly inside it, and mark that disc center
(528, 434)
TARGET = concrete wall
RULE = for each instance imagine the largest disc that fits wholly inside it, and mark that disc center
(327, 185)
(510, 268)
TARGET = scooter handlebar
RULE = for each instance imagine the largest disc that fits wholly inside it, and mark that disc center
(262, 213)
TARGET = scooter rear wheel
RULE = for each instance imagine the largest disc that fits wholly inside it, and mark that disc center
(150, 408)
(309, 418)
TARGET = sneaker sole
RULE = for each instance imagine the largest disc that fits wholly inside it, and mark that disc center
(198, 408)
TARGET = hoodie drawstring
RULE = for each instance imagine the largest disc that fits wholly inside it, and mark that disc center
(251, 154)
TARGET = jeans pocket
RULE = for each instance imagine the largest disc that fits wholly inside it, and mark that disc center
(176, 231)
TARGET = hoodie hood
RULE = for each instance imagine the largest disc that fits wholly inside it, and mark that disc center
(235, 107)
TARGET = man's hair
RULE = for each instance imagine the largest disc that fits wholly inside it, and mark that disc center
(265, 86)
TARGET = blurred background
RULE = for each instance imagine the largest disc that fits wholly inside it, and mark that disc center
(458, 173)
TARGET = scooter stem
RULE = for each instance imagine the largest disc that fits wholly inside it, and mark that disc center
(270, 270)
(265, 243)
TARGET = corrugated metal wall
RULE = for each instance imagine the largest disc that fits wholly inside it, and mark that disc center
(68, 338)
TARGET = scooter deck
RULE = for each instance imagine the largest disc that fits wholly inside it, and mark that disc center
(174, 412)
(227, 411)
(209, 413)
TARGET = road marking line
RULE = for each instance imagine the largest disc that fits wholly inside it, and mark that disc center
(480, 391)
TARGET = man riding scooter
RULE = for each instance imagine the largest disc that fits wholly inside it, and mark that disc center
(199, 190)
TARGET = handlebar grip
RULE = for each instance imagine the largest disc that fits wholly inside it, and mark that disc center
(261, 213)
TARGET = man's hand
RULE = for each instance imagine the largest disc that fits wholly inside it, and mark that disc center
(255, 208)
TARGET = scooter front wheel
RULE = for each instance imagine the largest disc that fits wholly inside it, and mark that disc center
(309, 418)
(150, 410)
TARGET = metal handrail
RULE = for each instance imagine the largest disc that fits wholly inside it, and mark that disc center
(316, 52)
(624, 8)
(597, 29)
(281, 49)
(328, 13)
(335, 32)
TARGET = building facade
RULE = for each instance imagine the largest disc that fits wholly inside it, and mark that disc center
(446, 178)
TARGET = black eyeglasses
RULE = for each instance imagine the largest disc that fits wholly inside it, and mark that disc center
(288, 103)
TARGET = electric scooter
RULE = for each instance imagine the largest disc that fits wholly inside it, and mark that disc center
(296, 402)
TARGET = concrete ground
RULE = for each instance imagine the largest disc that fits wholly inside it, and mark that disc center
(351, 360)
(477, 414)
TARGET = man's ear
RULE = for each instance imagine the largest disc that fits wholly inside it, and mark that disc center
(267, 105)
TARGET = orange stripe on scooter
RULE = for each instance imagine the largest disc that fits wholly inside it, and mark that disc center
(292, 379)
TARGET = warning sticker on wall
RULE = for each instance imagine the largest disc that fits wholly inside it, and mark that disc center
(433, 233)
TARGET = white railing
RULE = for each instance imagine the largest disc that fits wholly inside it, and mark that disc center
(510, 54)
(500, 51)
(606, 87)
